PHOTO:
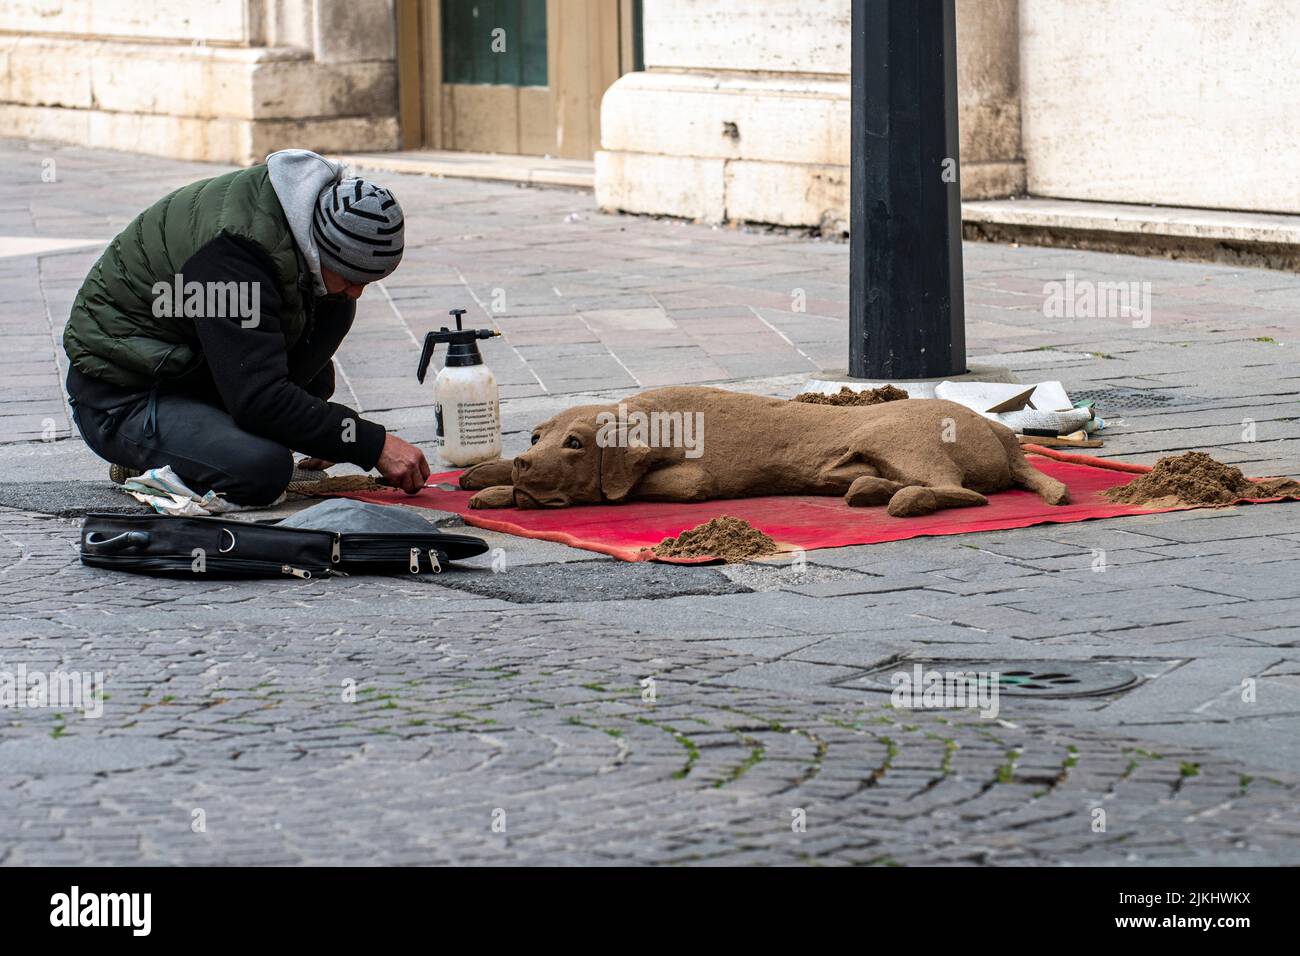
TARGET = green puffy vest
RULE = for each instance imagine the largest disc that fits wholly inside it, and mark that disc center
(113, 334)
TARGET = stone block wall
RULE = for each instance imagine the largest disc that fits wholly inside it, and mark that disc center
(220, 80)
(742, 112)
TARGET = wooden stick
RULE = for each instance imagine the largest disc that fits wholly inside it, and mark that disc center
(1059, 442)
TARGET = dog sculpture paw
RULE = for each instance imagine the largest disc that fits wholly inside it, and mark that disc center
(486, 474)
(498, 496)
(917, 500)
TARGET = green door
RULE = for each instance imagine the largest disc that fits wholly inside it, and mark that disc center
(511, 76)
(496, 42)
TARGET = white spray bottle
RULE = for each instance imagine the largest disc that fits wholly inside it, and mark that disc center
(467, 403)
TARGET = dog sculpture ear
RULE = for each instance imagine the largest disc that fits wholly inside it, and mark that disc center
(621, 467)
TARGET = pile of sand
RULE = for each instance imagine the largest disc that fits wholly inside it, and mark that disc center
(847, 396)
(724, 537)
(1196, 479)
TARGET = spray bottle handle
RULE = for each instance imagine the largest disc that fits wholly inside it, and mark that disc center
(426, 353)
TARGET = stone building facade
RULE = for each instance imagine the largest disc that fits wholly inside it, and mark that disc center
(710, 109)
(224, 80)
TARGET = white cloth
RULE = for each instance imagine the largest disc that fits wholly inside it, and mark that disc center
(163, 491)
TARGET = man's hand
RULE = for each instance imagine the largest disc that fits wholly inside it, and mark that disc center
(403, 465)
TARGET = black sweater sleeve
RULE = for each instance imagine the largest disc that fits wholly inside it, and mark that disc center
(322, 386)
(249, 365)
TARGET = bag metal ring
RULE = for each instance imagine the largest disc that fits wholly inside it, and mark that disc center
(225, 550)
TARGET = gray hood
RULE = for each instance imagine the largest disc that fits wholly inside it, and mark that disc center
(298, 176)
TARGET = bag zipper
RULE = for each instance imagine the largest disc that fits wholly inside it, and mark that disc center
(415, 560)
(378, 548)
(236, 566)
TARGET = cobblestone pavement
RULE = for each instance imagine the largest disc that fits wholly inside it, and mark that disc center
(502, 717)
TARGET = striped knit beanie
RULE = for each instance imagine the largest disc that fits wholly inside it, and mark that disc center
(358, 230)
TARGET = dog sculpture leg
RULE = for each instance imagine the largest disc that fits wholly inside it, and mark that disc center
(926, 485)
(909, 501)
(487, 474)
(498, 496)
(681, 482)
(931, 486)
(1025, 475)
(869, 490)
(916, 500)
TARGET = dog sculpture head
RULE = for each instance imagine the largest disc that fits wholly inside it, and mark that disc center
(574, 460)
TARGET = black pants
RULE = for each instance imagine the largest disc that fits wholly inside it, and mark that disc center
(200, 441)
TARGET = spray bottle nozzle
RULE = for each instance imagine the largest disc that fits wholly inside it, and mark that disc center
(462, 347)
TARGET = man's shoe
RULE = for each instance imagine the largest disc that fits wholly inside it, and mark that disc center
(120, 474)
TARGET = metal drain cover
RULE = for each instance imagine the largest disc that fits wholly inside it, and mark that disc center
(1015, 678)
(1123, 397)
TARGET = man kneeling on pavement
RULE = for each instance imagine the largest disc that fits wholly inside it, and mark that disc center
(203, 337)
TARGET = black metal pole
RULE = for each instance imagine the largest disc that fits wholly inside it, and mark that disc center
(906, 316)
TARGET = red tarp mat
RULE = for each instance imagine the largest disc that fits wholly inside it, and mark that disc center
(794, 522)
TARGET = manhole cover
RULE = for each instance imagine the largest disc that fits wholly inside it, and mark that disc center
(1015, 678)
(1121, 397)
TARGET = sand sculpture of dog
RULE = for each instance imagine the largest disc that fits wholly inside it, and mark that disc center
(917, 455)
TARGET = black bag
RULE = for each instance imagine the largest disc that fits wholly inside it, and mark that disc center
(218, 547)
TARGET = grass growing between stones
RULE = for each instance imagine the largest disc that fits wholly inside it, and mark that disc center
(692, 751)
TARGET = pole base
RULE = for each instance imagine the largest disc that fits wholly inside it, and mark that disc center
(828, 383)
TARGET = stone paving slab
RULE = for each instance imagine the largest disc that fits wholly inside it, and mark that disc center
(600, 712)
